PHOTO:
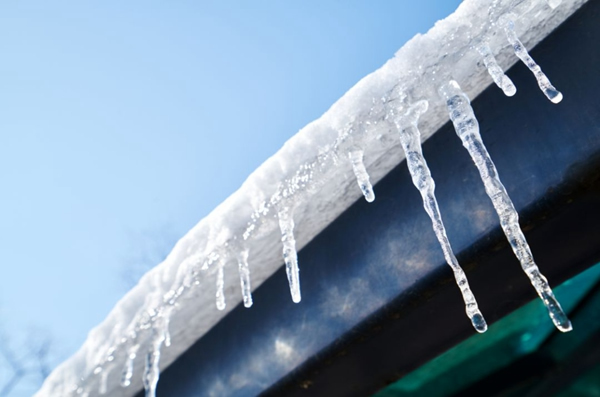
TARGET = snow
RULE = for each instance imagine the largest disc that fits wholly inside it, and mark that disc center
(311, 181)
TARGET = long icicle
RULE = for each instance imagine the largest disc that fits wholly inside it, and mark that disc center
(410, 137)
(290, 256)
(362, 177)
(544, 83)
(467, 128)
(244, 271)
(495, 71)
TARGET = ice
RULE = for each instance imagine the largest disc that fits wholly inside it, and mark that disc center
(152, 370)
(467, 128)
(501, 80)
(547, 88)
(290, 256)
(362, 177)
(293, 196)
(220, 295)
(103, 382)
(128, 368)
(245, 277)
(167, 333)
(410, 136)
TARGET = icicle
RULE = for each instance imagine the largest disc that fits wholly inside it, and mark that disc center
(128, 368)
(547, 88)
(362, 177)
(553, 3)
(166, 320)
(410, 137)
(167, 333)
(110, 355)
(152, 369)
(103, 382)
(501, 80)
(467, 128)
(244, 271)
(220, 285)
(127, 371)
(290, 256)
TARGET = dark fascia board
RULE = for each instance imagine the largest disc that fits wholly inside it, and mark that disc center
(378, 298)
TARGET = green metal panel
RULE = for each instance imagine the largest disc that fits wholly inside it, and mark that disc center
(524, 335)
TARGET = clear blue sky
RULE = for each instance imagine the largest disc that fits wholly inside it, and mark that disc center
(123, 118)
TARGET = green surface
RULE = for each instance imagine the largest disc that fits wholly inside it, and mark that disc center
(588, 385)
(521, 335)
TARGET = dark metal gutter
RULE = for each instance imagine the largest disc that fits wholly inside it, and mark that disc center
(378, 298)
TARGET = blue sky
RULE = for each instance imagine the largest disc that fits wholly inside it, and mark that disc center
(122, 122)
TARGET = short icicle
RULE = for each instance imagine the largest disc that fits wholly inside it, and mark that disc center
(290, 256)
(128, 368)
(167, 334)
(544, 83)
(103, 382)
(220, 295)
(467, 128)
(502, 80)
(244, 271)
(166, 315)
(152, 369)
(362, 177)
(410, 137)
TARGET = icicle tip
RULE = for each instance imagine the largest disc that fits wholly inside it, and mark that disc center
(296, 296)
(479, 323)
(508, 87)
(555, 96)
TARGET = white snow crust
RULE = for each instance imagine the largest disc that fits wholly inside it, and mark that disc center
(310, 174)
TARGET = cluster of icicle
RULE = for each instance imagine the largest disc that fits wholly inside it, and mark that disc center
(400, 111)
